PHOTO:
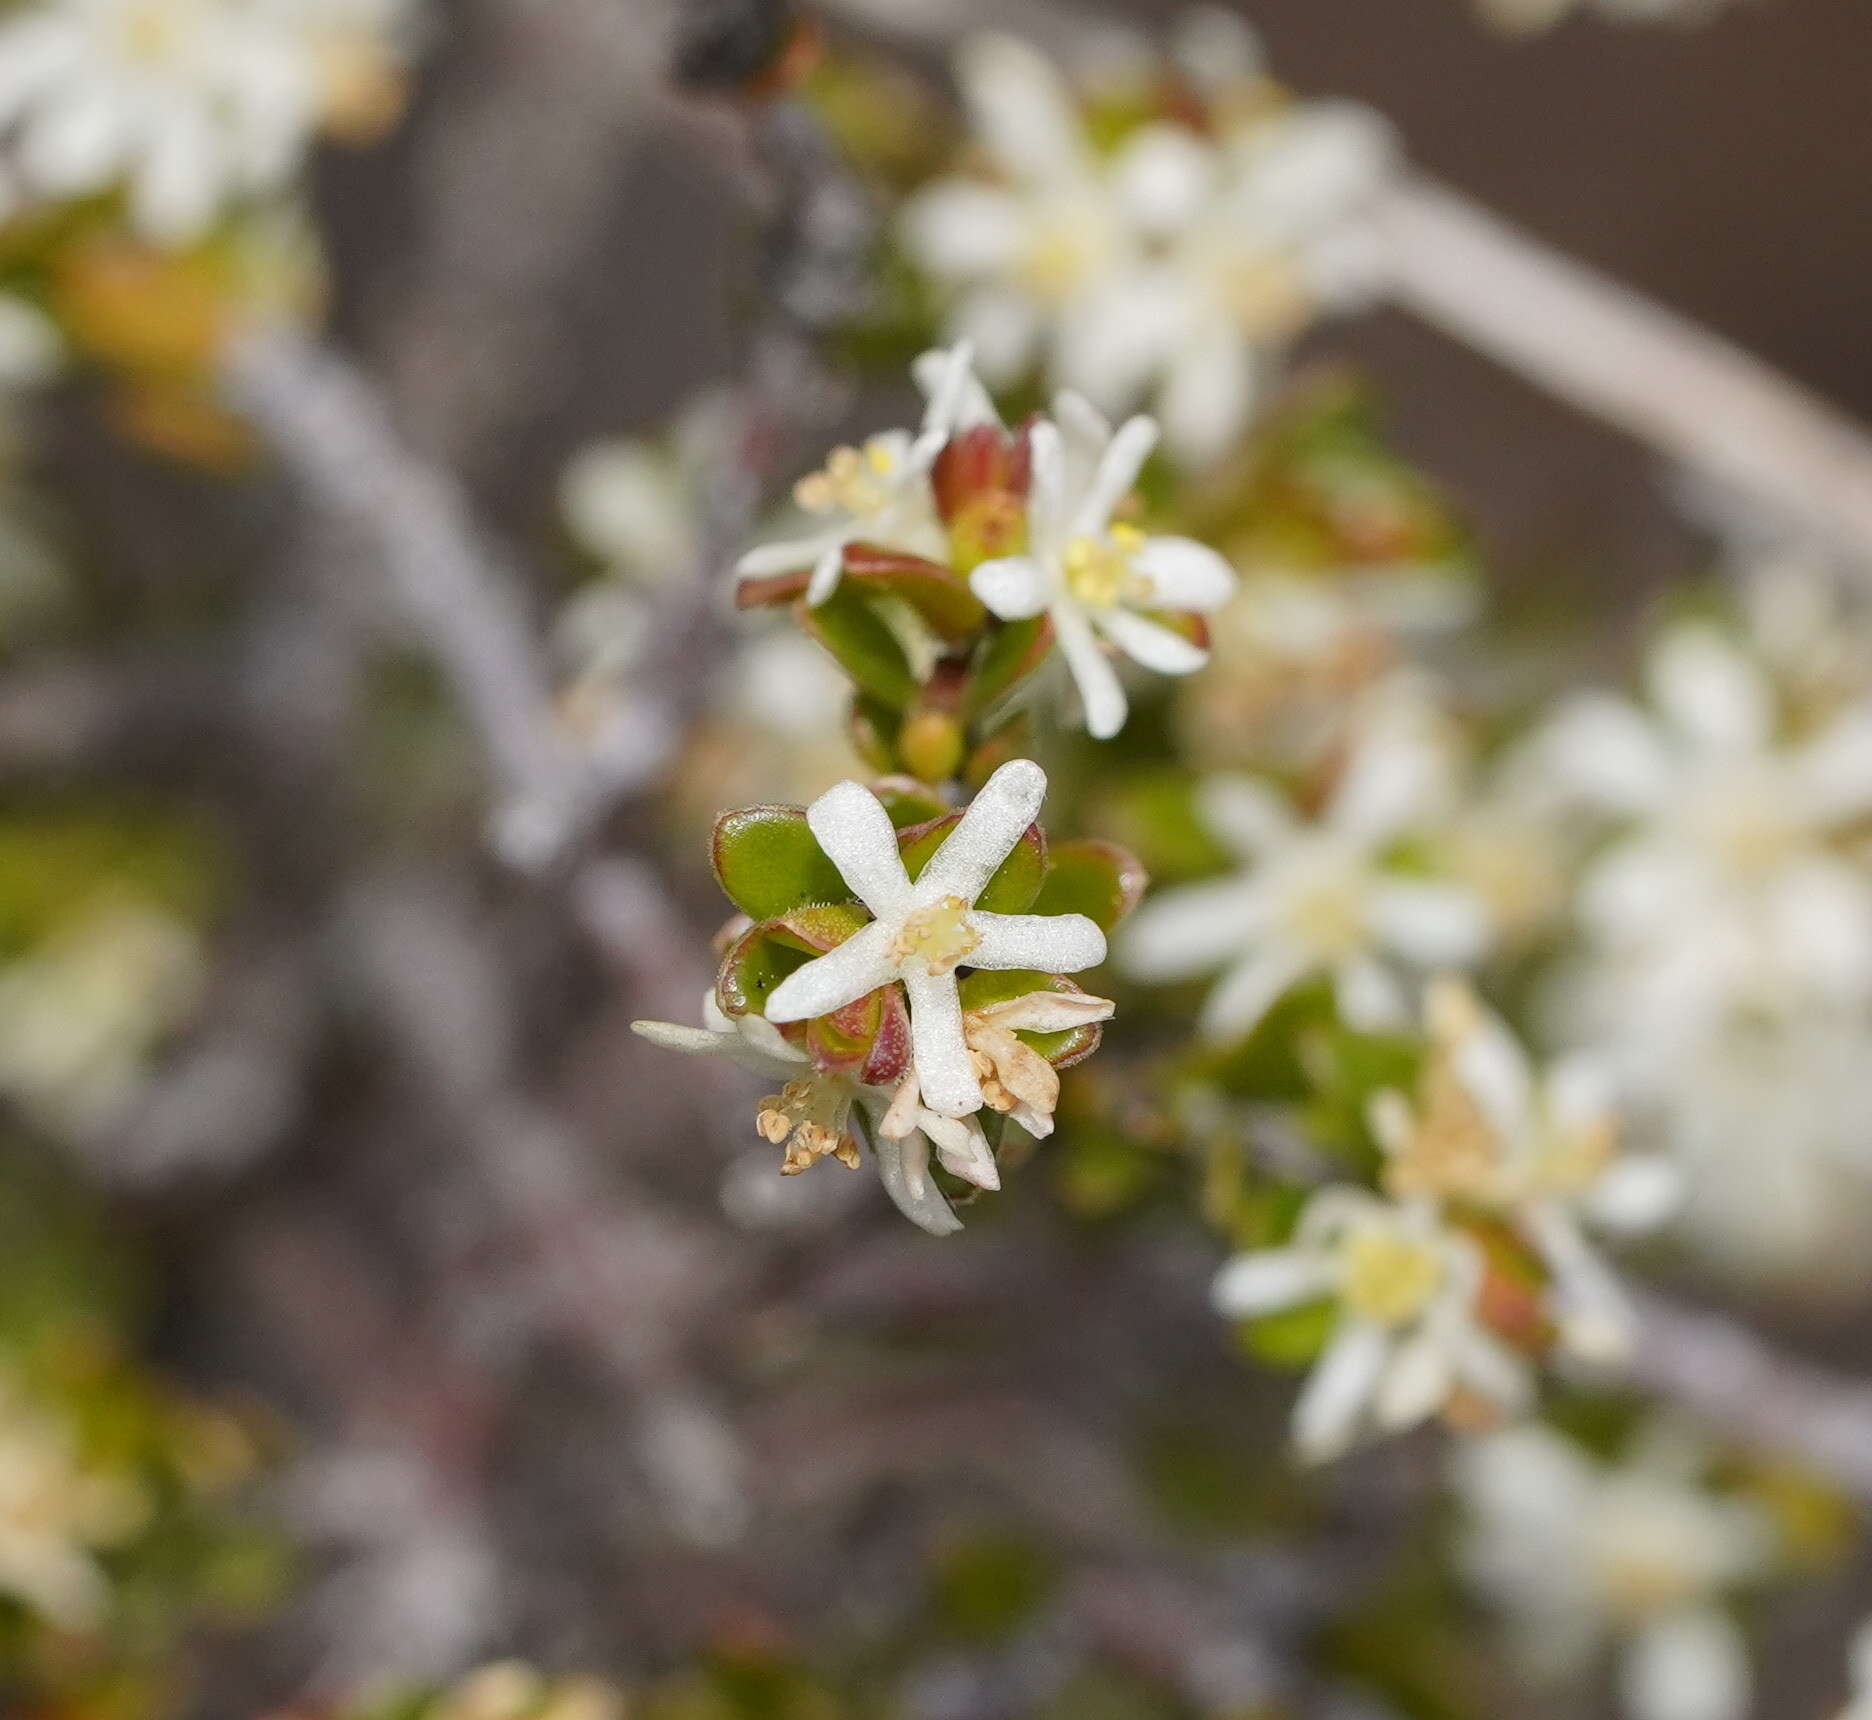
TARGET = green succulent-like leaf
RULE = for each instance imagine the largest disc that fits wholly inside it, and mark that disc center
(935, 592)
(1098, 879)
(768, 861)
(1016, 881)
(862, 644)
(1293, 1338)
(909, 802)
(1008, 655)
(765, 954)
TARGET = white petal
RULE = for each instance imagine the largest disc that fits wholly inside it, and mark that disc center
(1117, 474)
(1015, 587)
(1246, 813)
(1415, 1385)
(74, 146)
(1022, 109)
(842, 975)
(672, 1036)
(1185, 574)
(1635, 1195)
(971, 405)
(963, 1148)
(179, 182)
(1342, 1382)
(959, 228)
(1209, 396)
(1433, 925)
(1398, 775)
(1690, 1665)
(1369, 996)
(1049, 943)
(1162, 175)
(1047, 1012)
(1607, 750)
(1834, 770)
(1109, 341)
(1243, 995)
(1269, 1280)
(1713, 694)
(788, 555)
(1491, 1064)
(1092, 673)
(1046, 489)
(849, 822)
(1003, 326)
(1150, 643)
(903, 1168)
(825, 574)
(1192, 929)
(989, 831)
(945, 1070)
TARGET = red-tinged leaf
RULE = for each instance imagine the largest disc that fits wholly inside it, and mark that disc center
(863, 646)
(772, 590)
(755, 964)
(1063, 1049)
(935, 592)
(1012, 740)
(1184, 622)
(840, 1042)
(889, 1060)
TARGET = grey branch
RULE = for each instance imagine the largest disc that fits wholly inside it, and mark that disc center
(1755, 1392)
(1623, 358)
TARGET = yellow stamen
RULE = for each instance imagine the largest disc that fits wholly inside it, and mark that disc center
(1099, 571)
(938, 936)
(1387, 1276)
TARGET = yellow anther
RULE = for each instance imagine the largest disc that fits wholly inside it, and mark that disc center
(939, 936)
(855, 480)
(1098, 570)
(1387, 1276)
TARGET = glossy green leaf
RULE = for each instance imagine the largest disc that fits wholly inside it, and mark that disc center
(981, 988)
(1098, 879)
(863, 646)
(768, 861)
(935, 592)
(1007, 657)
(1016, 881)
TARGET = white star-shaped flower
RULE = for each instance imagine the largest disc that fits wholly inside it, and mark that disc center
(880, 493)
(1324, 897)
(922, 932)
(1099, 580)
(1407, 1336)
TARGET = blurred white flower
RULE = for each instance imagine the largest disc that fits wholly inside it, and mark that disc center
(1325, 897)
(1541, 1149)
(922, 931)
(188, 105)
(82, 1013)
(1405, 1338)
(1728, 887)
(56, 1514)
(1176, 265)
(1101, 582)
(1637, 1558)
(879, 494)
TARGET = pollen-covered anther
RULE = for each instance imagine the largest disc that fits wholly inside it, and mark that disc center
(1099, 571)
(939, 936)
(798, 1118)
(853, 479)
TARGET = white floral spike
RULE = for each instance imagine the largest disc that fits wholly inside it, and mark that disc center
(923, 931)
(1099, 580)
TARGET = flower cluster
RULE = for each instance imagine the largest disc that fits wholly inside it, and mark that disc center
(1151, 235)
(186, 107)
(999, 545)
(901, 969)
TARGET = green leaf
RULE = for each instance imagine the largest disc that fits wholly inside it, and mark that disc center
(908, 801)
(1016, 881)
(1098, 879)
(765, 954)
(1293, 1338)
(863, 646)
(1007, 657)
(981, 988)
(768, 862)
(933, 591)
